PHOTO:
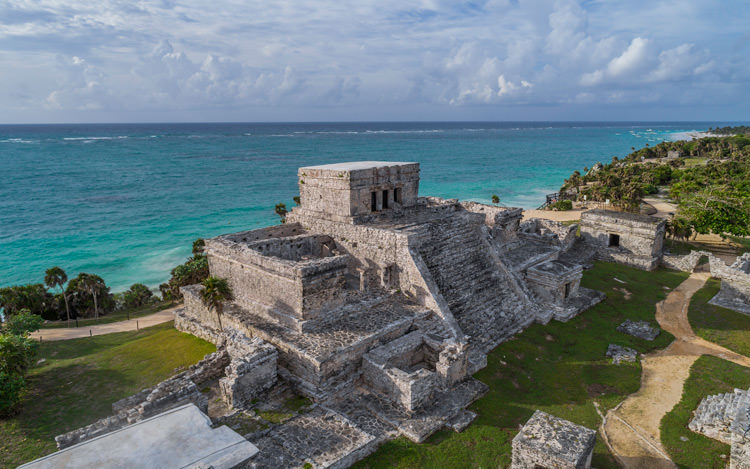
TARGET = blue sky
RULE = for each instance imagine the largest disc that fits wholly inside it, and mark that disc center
(323, 60)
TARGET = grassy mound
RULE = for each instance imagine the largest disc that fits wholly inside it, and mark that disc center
(722, 326)
(559, 368)
(708, 375)
(79, 380)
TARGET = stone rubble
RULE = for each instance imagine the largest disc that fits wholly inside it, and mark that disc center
(549, 441)
(641, 329)
(619, 353)
(726, 417)
(379, 305)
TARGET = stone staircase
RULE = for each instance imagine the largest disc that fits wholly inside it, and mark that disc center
(716, 414)
(478, 292)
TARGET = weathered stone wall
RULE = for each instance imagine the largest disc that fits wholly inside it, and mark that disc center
(281, 280)
(640, 238)
(685, 263)
(402, 371)
(548, 441)
(342, 191)
(251, 371)
(735, 283)
(551, 280)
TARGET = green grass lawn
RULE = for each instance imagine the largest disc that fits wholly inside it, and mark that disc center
(80, 379)
(716, 324)
(111, 317)
(708, 375)
(559, 368)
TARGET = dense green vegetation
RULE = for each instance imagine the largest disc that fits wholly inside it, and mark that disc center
(87, 295)
(736, 130)
(708, 375)
(17, 352)
(78, 380)
(722, 326)
(710, 181)
(559, 368)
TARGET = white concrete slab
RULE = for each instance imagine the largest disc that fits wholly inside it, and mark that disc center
(179, 438)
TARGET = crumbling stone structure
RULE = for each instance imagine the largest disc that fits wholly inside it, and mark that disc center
(735, 283)
(726, 417)
(378, 305)
(628, 238)
(373, 301)
(546, 441)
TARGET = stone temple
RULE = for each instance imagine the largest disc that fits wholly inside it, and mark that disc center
(376, 304)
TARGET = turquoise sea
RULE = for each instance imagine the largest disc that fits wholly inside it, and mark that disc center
(126, 201)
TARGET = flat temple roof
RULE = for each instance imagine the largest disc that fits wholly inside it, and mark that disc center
(358, 165)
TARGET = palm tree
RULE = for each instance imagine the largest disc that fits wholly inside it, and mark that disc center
(88, 283)
(56, 277)
(215, 292)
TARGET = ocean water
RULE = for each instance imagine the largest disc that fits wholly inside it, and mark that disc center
(126, 201)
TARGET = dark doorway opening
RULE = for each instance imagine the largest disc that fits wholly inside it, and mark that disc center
(374, 202)
(567, 290)
(614, 240)
(385, 198)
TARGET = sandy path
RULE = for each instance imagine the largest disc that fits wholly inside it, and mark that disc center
(663, 208)
(632, 428)
(122, 326)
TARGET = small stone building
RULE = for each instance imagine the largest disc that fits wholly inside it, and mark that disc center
(555, 281)
(628, 238)
(547, 441)
(343, 191)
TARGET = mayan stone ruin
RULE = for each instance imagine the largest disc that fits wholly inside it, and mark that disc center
(628, 238)
(377, 306)
(546, 441)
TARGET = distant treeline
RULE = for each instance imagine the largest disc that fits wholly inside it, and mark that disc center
(736, 130)
(709, 179)
(87, 295)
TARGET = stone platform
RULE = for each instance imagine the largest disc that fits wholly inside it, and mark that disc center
(178, 438)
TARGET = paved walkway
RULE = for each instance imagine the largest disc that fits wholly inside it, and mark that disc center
(632, 428)
(122, 326)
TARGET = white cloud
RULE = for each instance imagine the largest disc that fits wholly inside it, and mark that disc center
(200, 58)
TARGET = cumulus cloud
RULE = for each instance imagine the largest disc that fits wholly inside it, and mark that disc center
(202, 58)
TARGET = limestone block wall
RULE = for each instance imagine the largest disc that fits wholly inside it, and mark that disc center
(403, 370)
(551, 280)
(300, 289)
(251, 371)
(549, 441)
(639, 235)
(735, 283)
(340, 191)
(197, 311)
(685, 263)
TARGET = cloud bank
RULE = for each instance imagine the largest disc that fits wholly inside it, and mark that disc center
(326, 60)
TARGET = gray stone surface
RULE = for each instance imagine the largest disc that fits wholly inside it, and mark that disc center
(640, 329)
(551, 442)
(628, 238)
(181, 437)
(378, 304)
(726, 417)
(735, 283)
(619, 353)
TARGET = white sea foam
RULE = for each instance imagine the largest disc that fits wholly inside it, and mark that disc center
(18, 140)
(119, 137)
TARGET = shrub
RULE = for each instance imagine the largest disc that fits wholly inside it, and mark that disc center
(562, 205)
(23, 323)
(12, 386)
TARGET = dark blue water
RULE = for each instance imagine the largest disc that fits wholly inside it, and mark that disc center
(126, 201)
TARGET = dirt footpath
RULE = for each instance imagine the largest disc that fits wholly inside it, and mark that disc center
(632, 428)
(122, 326)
